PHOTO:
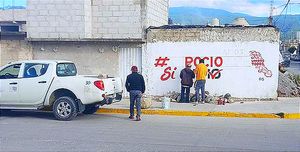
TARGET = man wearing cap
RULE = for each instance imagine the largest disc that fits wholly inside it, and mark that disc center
(187, 76)
(135, 85)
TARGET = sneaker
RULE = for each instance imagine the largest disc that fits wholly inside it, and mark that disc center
(131, 117)
(138, 118)
(202, 102)
(196, 103)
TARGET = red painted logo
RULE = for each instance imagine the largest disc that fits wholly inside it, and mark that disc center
(259, 63)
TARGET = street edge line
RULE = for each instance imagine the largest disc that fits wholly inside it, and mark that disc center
(197, 113)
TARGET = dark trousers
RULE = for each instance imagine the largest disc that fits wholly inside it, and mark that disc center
(185, 94)
(135, 98)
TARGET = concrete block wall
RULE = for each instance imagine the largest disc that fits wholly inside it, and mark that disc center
(69, 19)
(110, 19)
(157, 12)
(214, 34)
(88, 18)
(91, 58)
(117, 18)
(13, 15)
(14, 50)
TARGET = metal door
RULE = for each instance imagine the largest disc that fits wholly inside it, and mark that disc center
(127, 58)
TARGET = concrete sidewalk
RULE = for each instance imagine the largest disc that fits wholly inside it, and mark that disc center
(283, 108)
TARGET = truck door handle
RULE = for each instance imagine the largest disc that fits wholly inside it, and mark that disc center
(13, 83)
(42, 81)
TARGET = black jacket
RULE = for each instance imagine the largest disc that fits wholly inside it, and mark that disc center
(135, 81)
(187, 76)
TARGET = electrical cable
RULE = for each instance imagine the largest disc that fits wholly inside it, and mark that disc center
(286, 5)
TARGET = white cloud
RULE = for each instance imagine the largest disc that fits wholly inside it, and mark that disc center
(259, 8)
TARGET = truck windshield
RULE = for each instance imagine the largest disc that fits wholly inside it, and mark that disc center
(66, 69)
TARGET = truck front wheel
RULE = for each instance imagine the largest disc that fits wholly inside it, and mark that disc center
(64, 108)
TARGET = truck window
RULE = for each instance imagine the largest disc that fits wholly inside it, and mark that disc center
(32, 70)
(66, 69)
(10, 72)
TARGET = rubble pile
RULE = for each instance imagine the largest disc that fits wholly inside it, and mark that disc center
(212, 99)
(146, 102)
(288, 85)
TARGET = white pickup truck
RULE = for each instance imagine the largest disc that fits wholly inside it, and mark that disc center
(55, 85)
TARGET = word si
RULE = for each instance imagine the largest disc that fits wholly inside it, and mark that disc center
(168, 72)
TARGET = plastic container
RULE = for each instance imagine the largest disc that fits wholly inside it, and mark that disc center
(166, 103)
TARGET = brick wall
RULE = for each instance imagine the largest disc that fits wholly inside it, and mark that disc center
(10, 15)
(117, 19)
(211, 34)
(111, 19)
(59, 19)
(157, 12)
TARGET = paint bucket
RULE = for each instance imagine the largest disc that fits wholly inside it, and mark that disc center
(166, 103)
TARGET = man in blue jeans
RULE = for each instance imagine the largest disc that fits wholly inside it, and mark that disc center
(135, 85)
(201, 73)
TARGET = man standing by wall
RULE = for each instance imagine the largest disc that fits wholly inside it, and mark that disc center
(187, 76)
(135, 85)
(201, 73)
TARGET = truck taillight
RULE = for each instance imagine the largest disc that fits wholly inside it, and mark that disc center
(99, 84)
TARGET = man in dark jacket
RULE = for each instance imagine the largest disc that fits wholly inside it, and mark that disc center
(187, 76)
(135, 85)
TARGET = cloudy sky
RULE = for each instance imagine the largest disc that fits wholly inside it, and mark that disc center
(252, 7)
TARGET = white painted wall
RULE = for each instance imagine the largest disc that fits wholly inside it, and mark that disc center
(238, 76)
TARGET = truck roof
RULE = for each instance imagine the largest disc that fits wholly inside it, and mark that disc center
(41, 61)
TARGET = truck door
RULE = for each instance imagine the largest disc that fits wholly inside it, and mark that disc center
(35, 83)
(9, 84)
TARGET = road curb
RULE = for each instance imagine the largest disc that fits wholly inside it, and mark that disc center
(292, 116)
(203, 114)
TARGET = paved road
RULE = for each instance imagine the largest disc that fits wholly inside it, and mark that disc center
(294, 67)
(38, 131)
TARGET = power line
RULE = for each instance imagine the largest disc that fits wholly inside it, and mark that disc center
(271, 13)
(286, 5)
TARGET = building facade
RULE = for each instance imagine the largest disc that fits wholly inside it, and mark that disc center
(100, 36)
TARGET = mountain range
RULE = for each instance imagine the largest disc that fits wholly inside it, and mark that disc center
(287, 24)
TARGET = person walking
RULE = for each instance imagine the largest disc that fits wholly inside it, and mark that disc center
(135, 85)
(187, 76)
(201, 73)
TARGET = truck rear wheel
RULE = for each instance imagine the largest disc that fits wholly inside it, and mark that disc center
(90, 109)
(64, 108)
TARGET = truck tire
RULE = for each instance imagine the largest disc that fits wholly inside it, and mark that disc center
(64, 108)
(90, 109)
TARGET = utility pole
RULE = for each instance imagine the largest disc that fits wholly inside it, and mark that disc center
(271, 12)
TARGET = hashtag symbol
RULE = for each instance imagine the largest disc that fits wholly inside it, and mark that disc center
(161, 61)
